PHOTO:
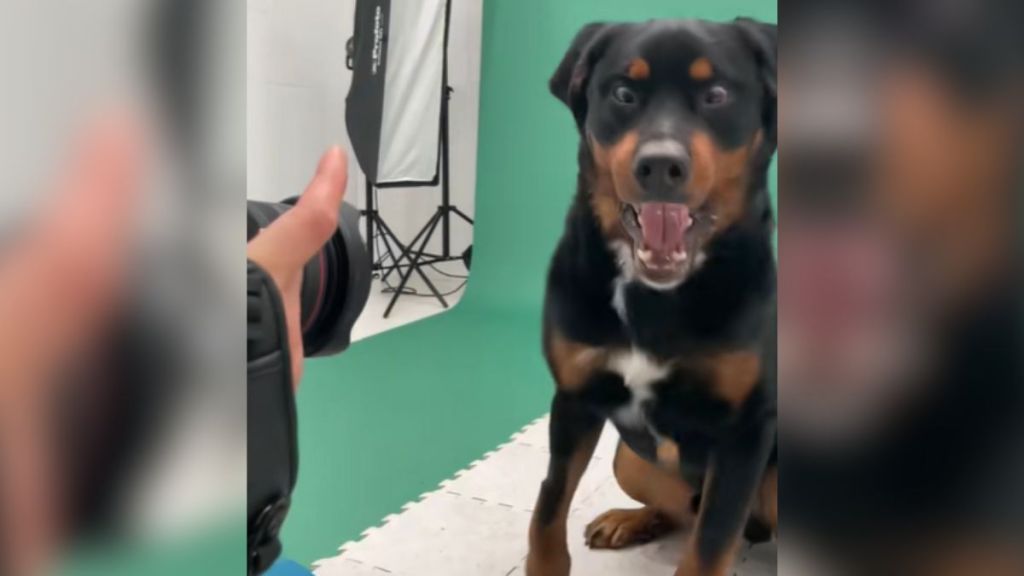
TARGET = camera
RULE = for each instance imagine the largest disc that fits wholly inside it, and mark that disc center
(335, 283)
(335, 287)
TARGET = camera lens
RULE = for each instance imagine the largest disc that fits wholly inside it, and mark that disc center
(335, 283)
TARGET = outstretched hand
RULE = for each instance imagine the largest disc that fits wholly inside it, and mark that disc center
(61, 280)
(285, 247)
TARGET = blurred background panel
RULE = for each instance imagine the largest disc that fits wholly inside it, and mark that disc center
(901, 385)
(148, 423)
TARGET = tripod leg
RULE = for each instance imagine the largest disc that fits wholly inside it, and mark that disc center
(389, 237)
(408, 250)
(462, 215)
(428, 231)
(370, 213)
(389, 252)
(426, 280)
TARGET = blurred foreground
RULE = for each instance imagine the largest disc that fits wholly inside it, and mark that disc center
(122, 411)
(901, 389)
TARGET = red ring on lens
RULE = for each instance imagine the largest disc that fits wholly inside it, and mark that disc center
(320, 293)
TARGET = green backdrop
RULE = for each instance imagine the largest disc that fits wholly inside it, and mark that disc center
(402, 411)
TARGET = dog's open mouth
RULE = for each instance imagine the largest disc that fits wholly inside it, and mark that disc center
(660, 238)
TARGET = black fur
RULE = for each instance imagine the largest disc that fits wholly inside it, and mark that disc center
(727, 304)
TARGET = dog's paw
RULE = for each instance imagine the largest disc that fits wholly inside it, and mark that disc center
(618, 529)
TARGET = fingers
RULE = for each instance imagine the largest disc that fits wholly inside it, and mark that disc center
(294, 238)
(107, 167)
(91, 224)
(328, 186)
(58, 287)
(62, 279)
(318, 208)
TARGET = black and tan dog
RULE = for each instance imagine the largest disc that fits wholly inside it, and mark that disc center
(900, 366)
(660, 308)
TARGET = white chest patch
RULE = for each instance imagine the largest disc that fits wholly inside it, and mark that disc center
(639, 371)
(624, 256)
(619, 298)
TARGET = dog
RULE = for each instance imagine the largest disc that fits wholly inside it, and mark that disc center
(660, 311)
(902, 410)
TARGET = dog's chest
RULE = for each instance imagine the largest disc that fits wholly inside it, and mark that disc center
(640, 373)
(652, 320)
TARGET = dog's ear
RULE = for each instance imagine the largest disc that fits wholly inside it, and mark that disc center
(569, 83)
(763, 41)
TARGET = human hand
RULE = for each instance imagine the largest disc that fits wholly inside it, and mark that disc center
(61, 278)
(285, 247)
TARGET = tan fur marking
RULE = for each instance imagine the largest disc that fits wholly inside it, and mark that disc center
(948, 178)
(735, 376)
(668, 455)
(964, 556)
(607, 208)
(721, 177)
(701, 70)
(621, 164)
(767, 507)
(613, 182)
(704, 155)
(639, 69)
(656, 486)
(572, 362)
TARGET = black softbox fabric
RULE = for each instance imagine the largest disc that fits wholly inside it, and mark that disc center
(393, 108)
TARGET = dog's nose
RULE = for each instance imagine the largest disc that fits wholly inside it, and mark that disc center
(662, 167)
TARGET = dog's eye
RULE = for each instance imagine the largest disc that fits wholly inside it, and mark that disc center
(716, 96)
(623, 95)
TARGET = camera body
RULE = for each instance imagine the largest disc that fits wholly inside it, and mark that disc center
(335, 287)
(273, 459)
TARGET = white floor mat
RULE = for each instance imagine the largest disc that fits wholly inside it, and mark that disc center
(476, 523)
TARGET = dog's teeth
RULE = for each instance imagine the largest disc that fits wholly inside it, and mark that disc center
(679, 255)
(645, 255)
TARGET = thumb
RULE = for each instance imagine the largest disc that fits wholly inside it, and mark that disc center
(294, 238)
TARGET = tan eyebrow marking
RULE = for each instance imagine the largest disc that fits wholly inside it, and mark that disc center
(639, 69)
(701, 69)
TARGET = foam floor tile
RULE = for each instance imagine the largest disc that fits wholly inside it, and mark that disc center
(512, 476)
(445, 534)
(606, 447)
(476, 524)
(535, 434)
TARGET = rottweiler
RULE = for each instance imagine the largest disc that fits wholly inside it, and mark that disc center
(660, 311)
(900, 372)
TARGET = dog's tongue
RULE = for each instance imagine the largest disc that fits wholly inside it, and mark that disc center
(663, 226)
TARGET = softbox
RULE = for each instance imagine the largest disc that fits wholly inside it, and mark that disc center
(393, 111)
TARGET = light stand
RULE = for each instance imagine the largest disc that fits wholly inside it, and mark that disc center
(412, 258)
(442, 216)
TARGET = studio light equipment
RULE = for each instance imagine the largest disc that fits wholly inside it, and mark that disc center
(397, 115)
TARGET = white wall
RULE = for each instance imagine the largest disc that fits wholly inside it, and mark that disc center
(297, 83)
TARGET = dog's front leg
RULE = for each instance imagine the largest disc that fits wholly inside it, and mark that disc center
(736, 471)
(575, 430)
